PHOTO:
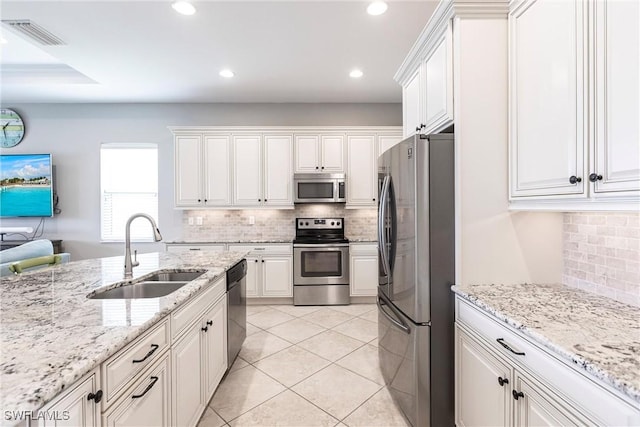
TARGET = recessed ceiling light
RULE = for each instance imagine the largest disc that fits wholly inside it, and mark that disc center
(227, 73)
(356, 74)
(183, 7)
(377, 8)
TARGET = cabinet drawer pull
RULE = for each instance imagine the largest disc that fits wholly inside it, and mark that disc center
(505, 345)
(97, 396)
(154, 380)
(517, 394)
(194, 249)
(209, 322)
(154, 347)
(205, 329)
(503, 381)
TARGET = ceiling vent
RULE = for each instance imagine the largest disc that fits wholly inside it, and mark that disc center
(33, 31)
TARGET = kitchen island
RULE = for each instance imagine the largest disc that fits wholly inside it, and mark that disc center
(51, 334)
(569, 338)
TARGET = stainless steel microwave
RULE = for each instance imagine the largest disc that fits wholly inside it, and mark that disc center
(319, 188)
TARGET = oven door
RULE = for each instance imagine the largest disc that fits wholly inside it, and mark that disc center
(320, 264)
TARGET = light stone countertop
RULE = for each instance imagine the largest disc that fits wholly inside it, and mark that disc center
(592, 332)
(222, 242)
(51, 334)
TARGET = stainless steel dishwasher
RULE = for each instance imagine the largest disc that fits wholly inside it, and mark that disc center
(236, 310)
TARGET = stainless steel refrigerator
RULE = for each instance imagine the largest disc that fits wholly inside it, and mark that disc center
(416, 259)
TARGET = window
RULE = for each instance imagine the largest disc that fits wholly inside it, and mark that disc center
(128, 185)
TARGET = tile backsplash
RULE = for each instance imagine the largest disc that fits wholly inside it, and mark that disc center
(233, 225)
(601, 254)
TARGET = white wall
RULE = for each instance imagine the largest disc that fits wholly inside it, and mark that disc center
(72, 133)
(493, 245)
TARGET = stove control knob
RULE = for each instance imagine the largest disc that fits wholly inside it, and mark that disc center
(338, 223)
(332, 223)
(300, 223)
(306, 223)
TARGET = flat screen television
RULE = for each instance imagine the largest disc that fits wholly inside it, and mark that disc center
(26, 185)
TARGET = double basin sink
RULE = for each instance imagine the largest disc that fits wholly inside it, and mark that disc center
(154, 286)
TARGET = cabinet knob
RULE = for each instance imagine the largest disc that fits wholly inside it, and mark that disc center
(256, 260)
(199, 200)
(317, 168)
(262, 260)
(96, 397)
(595, 177)
(205, 329)
(322, 167)
(574, 179)
(265, 200)
(503, 381)
(209, 322)
(205, 200)
(259, 200)
(374, 199)
(517, 394)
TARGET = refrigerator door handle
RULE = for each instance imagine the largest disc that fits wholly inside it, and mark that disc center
(404, 328)
(382, 212)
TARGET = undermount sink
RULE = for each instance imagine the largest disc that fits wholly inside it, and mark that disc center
(154, 286)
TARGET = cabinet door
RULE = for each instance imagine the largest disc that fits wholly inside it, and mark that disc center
(278, 174)
(362, 178)
(215, 348)
(480, 399)
(254, 267)
(538, 407)
(148, 403)
(332, 153)
(188, 174)
(363, 270)
(73, 409)
(187, 378)
(307, 152)
(617, 101)
(277, 277)
(217, 170)
(387, 141)
(438, 69)
(411, 104)
(247, 169)
(547, 98)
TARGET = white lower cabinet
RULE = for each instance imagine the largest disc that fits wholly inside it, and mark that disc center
(183, 247)
(214, 354)
(187, 377)
(147, 402)
(269, 270)
(363, 269)
(503, 379)
(77, 407)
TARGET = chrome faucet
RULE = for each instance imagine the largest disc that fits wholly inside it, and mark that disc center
(128, 263)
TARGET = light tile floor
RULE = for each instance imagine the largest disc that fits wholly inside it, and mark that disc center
(304, 367)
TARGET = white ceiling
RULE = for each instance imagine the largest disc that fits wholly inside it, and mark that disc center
(143, 51)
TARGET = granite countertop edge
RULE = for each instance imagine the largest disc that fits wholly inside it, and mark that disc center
(578, 361)
(47, 389)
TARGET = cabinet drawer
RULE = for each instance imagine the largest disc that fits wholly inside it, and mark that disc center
(195, 248)
(595, 401)
(270, 249)
(147, 402)
(363, 249)
(186, 315)
(121, 368)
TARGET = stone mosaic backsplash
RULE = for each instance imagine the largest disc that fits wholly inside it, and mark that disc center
(233, 225)
(601, 254)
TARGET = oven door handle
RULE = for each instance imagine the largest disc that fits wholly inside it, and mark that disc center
(321, 245)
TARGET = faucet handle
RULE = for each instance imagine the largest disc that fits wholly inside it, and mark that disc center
(135, 262)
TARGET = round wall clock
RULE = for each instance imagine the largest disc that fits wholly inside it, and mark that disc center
(11, 128)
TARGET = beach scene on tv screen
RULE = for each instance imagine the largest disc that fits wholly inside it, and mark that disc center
(25, 185)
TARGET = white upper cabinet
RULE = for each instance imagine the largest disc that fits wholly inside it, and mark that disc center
(217, 183)
(617, 103)
(278, 173)
(319, 153)
(362, 184)
(247, 169)
(188, 174)
(438, 77)
(574, 105)
(548, 113)
(427, 92)
(387, 141)
(411, 104)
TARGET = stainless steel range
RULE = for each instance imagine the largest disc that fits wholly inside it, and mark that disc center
(320, 262)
